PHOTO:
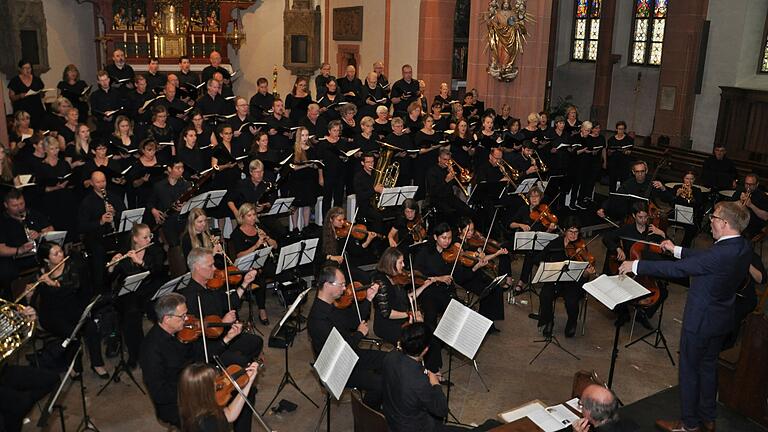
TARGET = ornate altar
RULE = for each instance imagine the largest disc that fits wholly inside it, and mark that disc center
(167, 29)
(507, 32)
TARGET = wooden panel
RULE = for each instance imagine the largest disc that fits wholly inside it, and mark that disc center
(742, 122)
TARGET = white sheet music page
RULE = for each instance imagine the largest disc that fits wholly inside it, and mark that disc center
(335, 363)
(614, 290)
(537, 413)
(462, 328)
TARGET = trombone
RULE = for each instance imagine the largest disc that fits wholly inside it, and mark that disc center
(508, 171)
(462, 175)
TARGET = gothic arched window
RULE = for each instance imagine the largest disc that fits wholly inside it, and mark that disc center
(649, 20)
(586, 29)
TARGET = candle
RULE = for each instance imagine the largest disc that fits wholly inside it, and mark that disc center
(203, 40)
(125, 37)
(136, 38)
(193, 38)
(214, 38)
(147, 38)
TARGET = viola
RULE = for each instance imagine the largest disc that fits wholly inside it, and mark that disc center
(636, 252)
(542, 213)
(214, 328)
(577, 251)
(225, 388)
(220, 276)
(477, 241)
(360, 292)
(404, 278)
(359, 231)
(417, 230)
(466, 258)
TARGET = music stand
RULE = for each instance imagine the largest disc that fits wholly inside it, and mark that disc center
(334, 365)
(253, 260)
(659, 341)
(296, 254)
(684, 214)
(172, 285)
(280, 206)
(129, 218)
(51, 403)
(130, 285)
(54, 237)
(204, 200)
(282, 336)
(391, 197)
(554, 272)
(526, 185)
(529, 242)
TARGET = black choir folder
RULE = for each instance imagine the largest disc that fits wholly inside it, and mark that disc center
(335, 363)
(462, 328)
(615, 290)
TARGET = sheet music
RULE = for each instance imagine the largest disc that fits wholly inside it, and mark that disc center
(252, 261)
(335, 363)
(614, 290)
(562, 414)
(524, 240)
(574, 404)
(462, 328)
(131, 283)
(684, 214)
(553, 271)
(293, 307)
(537, 413)
(130, 217)
(281, 205)
(526, 185)
(54, 236)
(172, 285)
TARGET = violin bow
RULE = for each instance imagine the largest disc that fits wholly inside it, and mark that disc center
(414, 306)
(352, 283)
(410, 231)
(458, 254)
(202, 327)
(493, 221)
(346, 240)
(242, 394)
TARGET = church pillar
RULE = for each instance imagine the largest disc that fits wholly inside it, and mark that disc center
(679, 67)
(435, 44)
(601, 97)
(526, 93)
(3, 124)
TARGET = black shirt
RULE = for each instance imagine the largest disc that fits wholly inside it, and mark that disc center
(406, 91)
(718, 174)
(354, 85)
(411, 402)
(104, 101)
(260, 104)
(210, 70)
(214, 301)
(164, 194)
(324, 317)
(363, 186)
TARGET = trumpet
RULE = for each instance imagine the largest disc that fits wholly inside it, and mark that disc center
(508, 171)
(462, 175)
(115, 261)
(686, 192)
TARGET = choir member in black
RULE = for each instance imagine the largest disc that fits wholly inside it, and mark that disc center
(304, 178)
(206, 137)
(413, 400)
(226, 90)
(254, 190)
(422, 100)
(412, 121)
(77, 152)
(404, 91)
(544, 125)
(162, 199)
(754, 198)
(463, 144)
(314, 123)
(163, 356)
(227, 169)
(100, 161)
(198, 235)
(20, 228)
(60, 299)
(408, 227)
(392, 306)
(67, 131)
(442, 122)
(365, 190)
(188, 80)
(298, 100)
(74, 89)
(155, 79)
(123, 144)
(349, 126)
(143, 255)
(189, 153)
(98, 215)
(719, 172)
(531, 130)
(139, 105)
(161, 132)
(617, 156)
(105, 103)
(428, 142)
(689, 195)
(559, 158)
(28, 162)
(381, 79)
(56, 116)
(322, 79)
(261, 102)
(333, 160)
(350, 86)
(373, 96)
(439, 182)
(177, 108)
(366, 139)
(144, 172)
(587, 169)
(331, 101)
(404, 142)
(269, 156)
(381, 123)
(555, 251)
(332, 245)
(457, 113)
(18, 92)
(279, 129)
(572, 122)
(243, 131)
(324, 317)
(619, 242)
(616, 208)
(6, 173)
(247, 238)
(121, 74)
(215, 66)
(246, 347)
(54, 177)
(522, 220)
(443, 97)
(487, 138)
(212, 103)
(198, 409)
(20, 132)
(492, 302)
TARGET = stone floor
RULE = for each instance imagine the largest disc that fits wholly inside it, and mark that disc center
(503, 362)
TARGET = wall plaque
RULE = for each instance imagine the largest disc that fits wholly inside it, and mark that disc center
(348, 24)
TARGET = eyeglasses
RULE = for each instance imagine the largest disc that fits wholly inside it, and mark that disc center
(182, 316)
(712, 216)
(337, 283)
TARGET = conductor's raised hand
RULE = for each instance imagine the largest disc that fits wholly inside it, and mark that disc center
(667, 245)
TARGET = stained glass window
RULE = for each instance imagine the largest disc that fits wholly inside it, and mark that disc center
(650, 18)
(586, 30)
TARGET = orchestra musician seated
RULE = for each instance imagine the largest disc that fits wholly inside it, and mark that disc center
(409, 227)
(600, 410)
(365, 190)
(524, 220)
(440, 179)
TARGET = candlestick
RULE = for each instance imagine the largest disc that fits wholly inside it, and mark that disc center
(125, 37)
(147, 38)
(136, 38)
(203, 41)
(214, 38)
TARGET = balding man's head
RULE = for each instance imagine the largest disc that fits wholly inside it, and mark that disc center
(599, 405)
(98, 180)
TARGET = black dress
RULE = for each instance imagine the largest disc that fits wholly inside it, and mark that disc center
(298, 106)
(33, 105)
(240, 241)
(73, 93)
(304, 183)
(137, 196)
(226, 178)
(390, 298)
(57, 204)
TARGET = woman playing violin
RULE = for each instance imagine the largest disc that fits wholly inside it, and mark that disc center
(247, 238)
(198, 409)
(409, 227)
(522, 221)
(568, 247)
(332, 242)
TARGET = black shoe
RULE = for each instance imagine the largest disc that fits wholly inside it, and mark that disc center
(264, 321)
(570, 330)
(533, 316)
(643, 320)
(493, 329)
(547, 332)
(103, 376)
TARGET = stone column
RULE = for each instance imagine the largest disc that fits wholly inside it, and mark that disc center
(526, 93)
(3, 124)
(435, 44)
(601, 98)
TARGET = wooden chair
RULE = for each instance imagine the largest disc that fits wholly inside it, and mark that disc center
(366, 418)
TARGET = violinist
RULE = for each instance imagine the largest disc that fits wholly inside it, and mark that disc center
(144, 255)
(365, 190)
(621, 241)
(60, 298)
(409, 227)
(247, 238)
(163, 199)
(163, 356)
(523, 221)
(492, 302)
(689, 195)
(198, 409)
(324, 317)
(492, 249)
(333, 239)
(569, 247)
(246, 347)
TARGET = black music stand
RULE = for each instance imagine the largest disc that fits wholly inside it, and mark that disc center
(659, 340)
(51, 403)
(391, 197)
(334, 365)
(530, 242)
(204, 200)
(253, 260)
(282, 336)
(130, 285)
(86, 424)
(280, 206)
(566, 271)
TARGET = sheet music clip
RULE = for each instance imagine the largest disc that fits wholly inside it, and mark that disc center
(131, 283)
(129, 218)
(204, 200)
(280, 206)
(391, 197)
(253, 260)
(297, 254)
(684, 214)
(173, 285)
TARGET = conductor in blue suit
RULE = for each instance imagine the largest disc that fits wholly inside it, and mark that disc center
(709, 310)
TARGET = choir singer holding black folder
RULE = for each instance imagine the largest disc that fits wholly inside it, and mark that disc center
(709, 311)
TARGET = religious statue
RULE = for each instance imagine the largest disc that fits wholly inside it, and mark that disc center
(507, 31)
(139, 20)
(119, 20)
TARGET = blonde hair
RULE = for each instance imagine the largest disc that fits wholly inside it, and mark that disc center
(533, 117)
(243, 211)
(193, 240)
(734, 213)
(120, 119)
(366, 121)
(299, 155)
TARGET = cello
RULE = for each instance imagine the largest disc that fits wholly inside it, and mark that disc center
(637, 252)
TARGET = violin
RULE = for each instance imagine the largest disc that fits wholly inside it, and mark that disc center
(225, 388)
(360, 292)
(417, 230)
(359, 231)
(466, 258)
(636, 252)
(477, 241)
(404, 278)
(542, 213)
(577, 251)
(214, 328)
(219, 277)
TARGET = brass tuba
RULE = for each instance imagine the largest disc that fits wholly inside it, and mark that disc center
(15, 328)
(384, 173)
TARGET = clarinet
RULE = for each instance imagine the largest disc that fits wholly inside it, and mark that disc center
(107, 205)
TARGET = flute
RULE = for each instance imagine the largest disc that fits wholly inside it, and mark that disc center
(115, 261)
(39, 280)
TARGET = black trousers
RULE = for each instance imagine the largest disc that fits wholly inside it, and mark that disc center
(433, 301)
(367, 376)
(570, 292)
(243, 349)
(333, 193)
(20, 388)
